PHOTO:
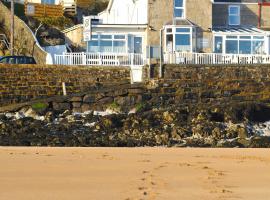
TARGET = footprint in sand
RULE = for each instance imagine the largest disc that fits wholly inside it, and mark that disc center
(145, 161)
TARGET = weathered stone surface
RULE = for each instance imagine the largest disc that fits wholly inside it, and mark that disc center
(61, 106)
(27, 82)
(89, 99)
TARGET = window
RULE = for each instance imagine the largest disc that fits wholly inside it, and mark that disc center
(234, 44)
(48, 1)
(245, 47)
(179, 39)
(107, 43)
(179, 11)
(218, 44)
(182, 42)
(234, 15)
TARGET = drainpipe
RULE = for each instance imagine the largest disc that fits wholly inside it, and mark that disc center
(161, 53)
(259, 15)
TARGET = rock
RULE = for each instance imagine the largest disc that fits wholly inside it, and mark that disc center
(85, 107)
(49, 116)
(61, 106)
(30, 112)
(89, 99)
(168, 117)
(105, 100)
(76, 99)
(242, 132)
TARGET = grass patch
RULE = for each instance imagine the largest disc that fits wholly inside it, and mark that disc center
(39, 106)
(140, 107)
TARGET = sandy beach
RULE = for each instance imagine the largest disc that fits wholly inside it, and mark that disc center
(134, 174)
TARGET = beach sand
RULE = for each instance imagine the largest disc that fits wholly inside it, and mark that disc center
(134, 173)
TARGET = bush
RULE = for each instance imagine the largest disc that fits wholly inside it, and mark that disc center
(57, 22)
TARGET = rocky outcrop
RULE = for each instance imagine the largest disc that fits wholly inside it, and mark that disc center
(141, 125)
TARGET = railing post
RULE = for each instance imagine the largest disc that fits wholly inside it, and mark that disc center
(100, 59)
(84, 58)
(132, 59)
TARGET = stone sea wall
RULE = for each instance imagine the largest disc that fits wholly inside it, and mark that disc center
(216, 84)
(192, 106)
(21, 83)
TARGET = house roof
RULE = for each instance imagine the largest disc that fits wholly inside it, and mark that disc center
(239, 30)
(180, 22)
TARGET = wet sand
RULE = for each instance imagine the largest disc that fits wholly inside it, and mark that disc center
(138, 173)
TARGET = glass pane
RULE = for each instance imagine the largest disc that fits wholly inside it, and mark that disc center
(93, 46)
(245, 37)
(245, 47)
(94, 36)
(119, 37)
(234, 10)
(218, 44)
(182, 42)
(182, 30)
(258, 47)
(106, 37)
(169, 30)
(232, 46)
(119, 46)
(178, 3)
(231, 37)
(106, 46)
(234, 20)
(178, 13)
(259, 37)
(137, 45)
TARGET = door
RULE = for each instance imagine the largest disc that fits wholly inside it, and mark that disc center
(137, 44)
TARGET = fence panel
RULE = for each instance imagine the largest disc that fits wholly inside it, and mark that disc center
(212, 58)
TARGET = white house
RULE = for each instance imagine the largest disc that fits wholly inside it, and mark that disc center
(121, 28)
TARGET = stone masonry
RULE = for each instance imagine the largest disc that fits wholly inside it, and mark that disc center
(21, 83)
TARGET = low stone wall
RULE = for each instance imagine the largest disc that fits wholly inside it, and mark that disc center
(24, 41)
(206, 84)
(21, 83)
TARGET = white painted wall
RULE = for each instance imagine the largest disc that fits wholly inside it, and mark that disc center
(125, 12)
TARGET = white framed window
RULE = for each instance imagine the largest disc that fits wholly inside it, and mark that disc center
(234, 15)
(179, 9)
(178, 39)
(108, 43)
(240, 44)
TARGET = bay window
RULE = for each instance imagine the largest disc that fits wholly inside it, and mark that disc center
(178, 39)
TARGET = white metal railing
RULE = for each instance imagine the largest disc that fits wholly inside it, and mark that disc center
(213, 58)
(105, 59)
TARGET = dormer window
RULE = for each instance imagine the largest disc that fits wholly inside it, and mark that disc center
(234, 15)
(179, 9)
